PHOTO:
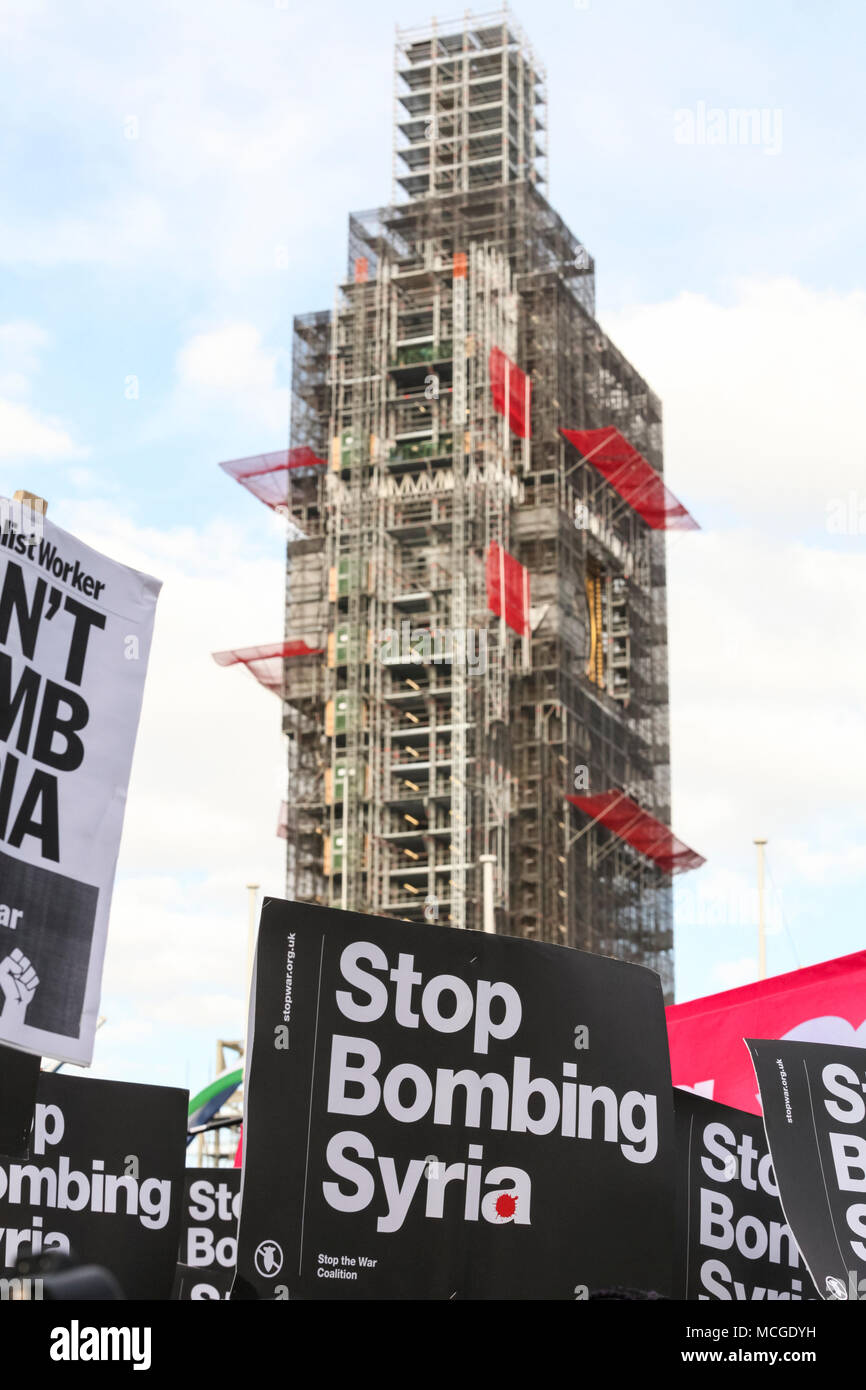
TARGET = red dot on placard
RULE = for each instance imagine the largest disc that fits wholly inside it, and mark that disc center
(505, 1205)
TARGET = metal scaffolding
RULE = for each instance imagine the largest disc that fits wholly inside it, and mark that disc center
(433, 733)
(469, 108)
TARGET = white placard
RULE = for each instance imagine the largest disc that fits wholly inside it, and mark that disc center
(75, 633)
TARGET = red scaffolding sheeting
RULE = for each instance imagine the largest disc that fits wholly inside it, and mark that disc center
(266, 476)
(508, 381)
(508, 588)
(636, 481)
(618, 813)
(266, 663)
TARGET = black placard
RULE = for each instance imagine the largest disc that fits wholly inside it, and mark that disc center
(815, 1118)
(733, 1242)
(19, 1077)
(374, 1169)
(103, 1182)
(208, 1240)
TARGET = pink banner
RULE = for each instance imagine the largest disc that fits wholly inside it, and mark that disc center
(821, 1003)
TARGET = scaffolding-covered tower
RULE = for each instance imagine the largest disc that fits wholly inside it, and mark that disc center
(476, 620)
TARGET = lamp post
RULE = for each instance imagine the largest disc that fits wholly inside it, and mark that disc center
(488, 861)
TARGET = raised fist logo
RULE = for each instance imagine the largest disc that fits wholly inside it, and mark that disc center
(18, 981)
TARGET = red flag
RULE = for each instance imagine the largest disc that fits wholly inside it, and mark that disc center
(508, 588)
(821, 1003)
(511, 390)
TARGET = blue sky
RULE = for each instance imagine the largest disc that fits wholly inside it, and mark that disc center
(178, 180)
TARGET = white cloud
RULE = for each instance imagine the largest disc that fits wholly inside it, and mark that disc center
(768, 665)
(175, 940)
(767, 629)
(215, 128)
(230, 367)
(82, 477)
(761, 397)
(21, 344)
(26, 433)
(207, 778)
(767, 626)
(227, 359)
(125, 228)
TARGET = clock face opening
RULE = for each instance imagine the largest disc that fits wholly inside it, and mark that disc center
(603, 607)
